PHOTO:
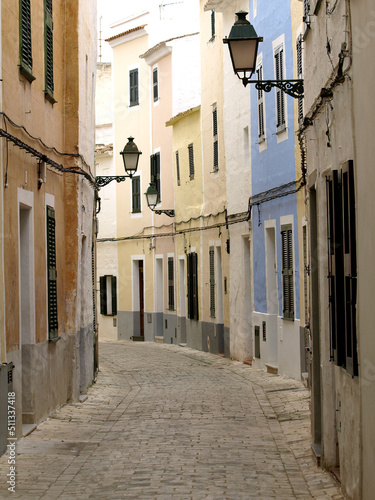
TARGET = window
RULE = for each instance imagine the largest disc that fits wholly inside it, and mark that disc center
(155, 173)
(212, 282)
(299, 72)
(178, 169)
(170, 283)
(136, 194)
(133, 87)
(108, 295)
(26, 60)
(155, 81)
(192, 285)
(287, 272)
(48, 51)
(280, 97)
(261, 128)
(342, 269)
(52, 275)
(213, 24)
(215, 139)
(191, 161)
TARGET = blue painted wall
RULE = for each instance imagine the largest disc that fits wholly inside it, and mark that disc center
(275, 165)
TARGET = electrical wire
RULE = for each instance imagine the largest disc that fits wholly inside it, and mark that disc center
(50, 148)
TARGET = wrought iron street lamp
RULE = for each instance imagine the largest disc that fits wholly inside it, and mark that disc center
(152, 196)
(243, 48)
(130, 156)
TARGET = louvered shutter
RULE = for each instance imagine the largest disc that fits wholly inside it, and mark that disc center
(280, 98)
(213, 24)
(261, 128)
(103, 295)
(114, 294)
(136, 194)
(350, 267)
(287, 272)
(212, 282)
(155, 84)
(133, 87)
(215, 140)
(191, 161)
(52, 275)
(170, 283)
(192, 282)
(26, 60)
(178, 169)
(300, 76)
(48, 49)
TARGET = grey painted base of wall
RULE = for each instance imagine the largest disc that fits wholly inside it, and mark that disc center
(49, 374)
(172, 329)
(3, 408)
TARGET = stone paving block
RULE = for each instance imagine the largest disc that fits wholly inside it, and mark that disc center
(164, 421)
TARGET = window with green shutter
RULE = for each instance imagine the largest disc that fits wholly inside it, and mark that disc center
(342, 267)
(192, 285)
(215, 140)
(155, 173)
(48, 51)
(170, 283)
(178, 169)
(261, 127)
(212, 282)
(155, 81)
(26, 60)
(133, 88)
(191, 162)
(287, 272)
(136, 194)
(52, 276)
(280, 97)
(213, 24)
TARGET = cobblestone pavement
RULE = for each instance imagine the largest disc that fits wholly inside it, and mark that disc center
(164, 421)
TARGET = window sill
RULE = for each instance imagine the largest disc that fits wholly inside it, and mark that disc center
(280, 129)
(26, 72)
(49, 96)
(54, 340)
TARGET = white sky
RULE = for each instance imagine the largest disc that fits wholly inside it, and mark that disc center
(111, 11)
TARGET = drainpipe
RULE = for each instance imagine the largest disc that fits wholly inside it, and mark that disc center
(2, 288)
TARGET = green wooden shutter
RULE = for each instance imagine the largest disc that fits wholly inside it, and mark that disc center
(133, 87)
(212, 282)
(350, 267)
(155, 84)
(178, 169)
(48, 50)
(260, 104)
(170, 283)
(213, 24)
(157, 174)
(52, 275)
(191, 161)
(103, 295)
(192, 282)
(280, 98)
(136, 194)
(287, 272)
(299, 71)
(215, 140)
(26, 60)
(114, 294)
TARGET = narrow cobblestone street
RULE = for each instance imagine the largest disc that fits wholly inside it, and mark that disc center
(164, 421)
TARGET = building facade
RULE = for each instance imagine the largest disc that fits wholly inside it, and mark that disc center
(337, 128)
(47, 122)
